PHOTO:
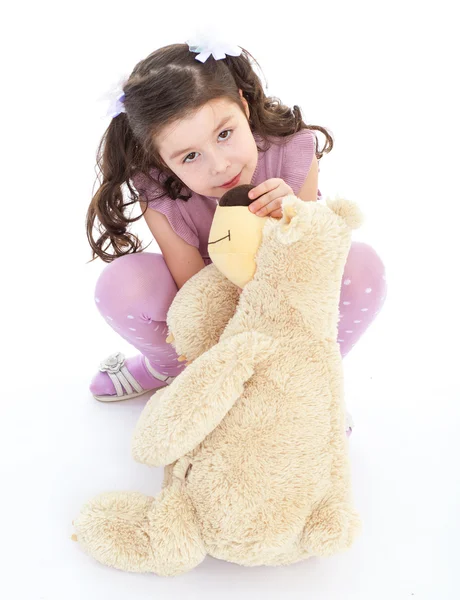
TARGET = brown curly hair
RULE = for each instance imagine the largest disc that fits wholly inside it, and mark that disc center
(168, 85)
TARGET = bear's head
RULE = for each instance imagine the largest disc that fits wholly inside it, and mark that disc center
(307, 237)
(302, 254)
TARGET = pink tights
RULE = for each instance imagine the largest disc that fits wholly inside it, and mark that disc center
(134, 292)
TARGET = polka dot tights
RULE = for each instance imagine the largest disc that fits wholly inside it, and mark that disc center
(134, 292)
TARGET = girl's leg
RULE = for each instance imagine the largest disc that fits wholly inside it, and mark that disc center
(362, 295)
(133, 294)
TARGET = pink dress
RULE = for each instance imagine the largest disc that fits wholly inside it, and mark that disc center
(191, 219)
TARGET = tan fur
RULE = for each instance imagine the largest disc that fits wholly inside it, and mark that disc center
(252, 433)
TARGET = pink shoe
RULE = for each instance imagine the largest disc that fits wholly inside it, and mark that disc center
(115, 380)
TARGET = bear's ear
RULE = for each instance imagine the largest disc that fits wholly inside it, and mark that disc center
(288, 228)
(348, 210)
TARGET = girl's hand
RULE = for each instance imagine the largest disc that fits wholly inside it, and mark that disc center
(269, 194)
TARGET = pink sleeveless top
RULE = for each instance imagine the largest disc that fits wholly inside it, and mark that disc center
(192, 219)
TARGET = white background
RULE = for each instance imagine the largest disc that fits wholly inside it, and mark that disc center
(382, 77)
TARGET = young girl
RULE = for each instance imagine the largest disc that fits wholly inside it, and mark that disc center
(185, 131)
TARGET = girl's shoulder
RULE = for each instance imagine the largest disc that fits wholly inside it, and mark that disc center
(302, 139)
(302, 142)
(147, 185)
(295, 149)
(293, 158)
(174, 210)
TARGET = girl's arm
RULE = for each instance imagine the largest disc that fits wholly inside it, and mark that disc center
(182, 259)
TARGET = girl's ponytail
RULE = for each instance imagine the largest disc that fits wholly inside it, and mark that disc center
(117, 153)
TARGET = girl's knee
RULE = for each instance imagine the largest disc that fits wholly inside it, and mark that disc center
(142, 278)
(363, 260)
(364, 277)
(365, 252)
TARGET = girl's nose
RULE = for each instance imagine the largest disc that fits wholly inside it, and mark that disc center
(220, 166)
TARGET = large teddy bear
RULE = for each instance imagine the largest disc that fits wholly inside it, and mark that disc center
(252, 432)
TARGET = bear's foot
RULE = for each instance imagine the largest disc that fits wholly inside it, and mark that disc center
(133, 532)
(113, 529)
(332, 527)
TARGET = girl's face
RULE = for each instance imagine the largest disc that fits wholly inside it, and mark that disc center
(211, 147)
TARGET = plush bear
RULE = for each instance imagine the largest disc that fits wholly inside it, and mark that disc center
(252, 432)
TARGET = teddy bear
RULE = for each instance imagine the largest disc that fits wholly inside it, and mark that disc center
(251, 434)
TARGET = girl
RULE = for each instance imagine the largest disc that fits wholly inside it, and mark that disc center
(187, 128)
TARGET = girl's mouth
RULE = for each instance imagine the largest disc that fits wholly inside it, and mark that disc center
(232, 182)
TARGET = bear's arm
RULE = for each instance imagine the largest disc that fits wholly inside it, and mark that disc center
(174, 422)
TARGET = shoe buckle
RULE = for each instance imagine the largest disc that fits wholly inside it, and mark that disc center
(113, 363)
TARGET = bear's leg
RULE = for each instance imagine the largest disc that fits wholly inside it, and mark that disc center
(137, 533)
(201, 311)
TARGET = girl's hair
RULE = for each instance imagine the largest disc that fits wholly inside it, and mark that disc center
(170, 84)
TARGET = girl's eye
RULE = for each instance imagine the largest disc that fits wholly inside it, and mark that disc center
(225, 131)
(224, 140)
(185, 159)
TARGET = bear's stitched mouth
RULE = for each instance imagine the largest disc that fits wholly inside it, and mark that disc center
(224, 238)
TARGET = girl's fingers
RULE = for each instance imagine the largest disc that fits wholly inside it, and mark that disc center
(267, 208)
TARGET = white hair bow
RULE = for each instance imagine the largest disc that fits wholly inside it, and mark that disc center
(113, 99)
(207, 44)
